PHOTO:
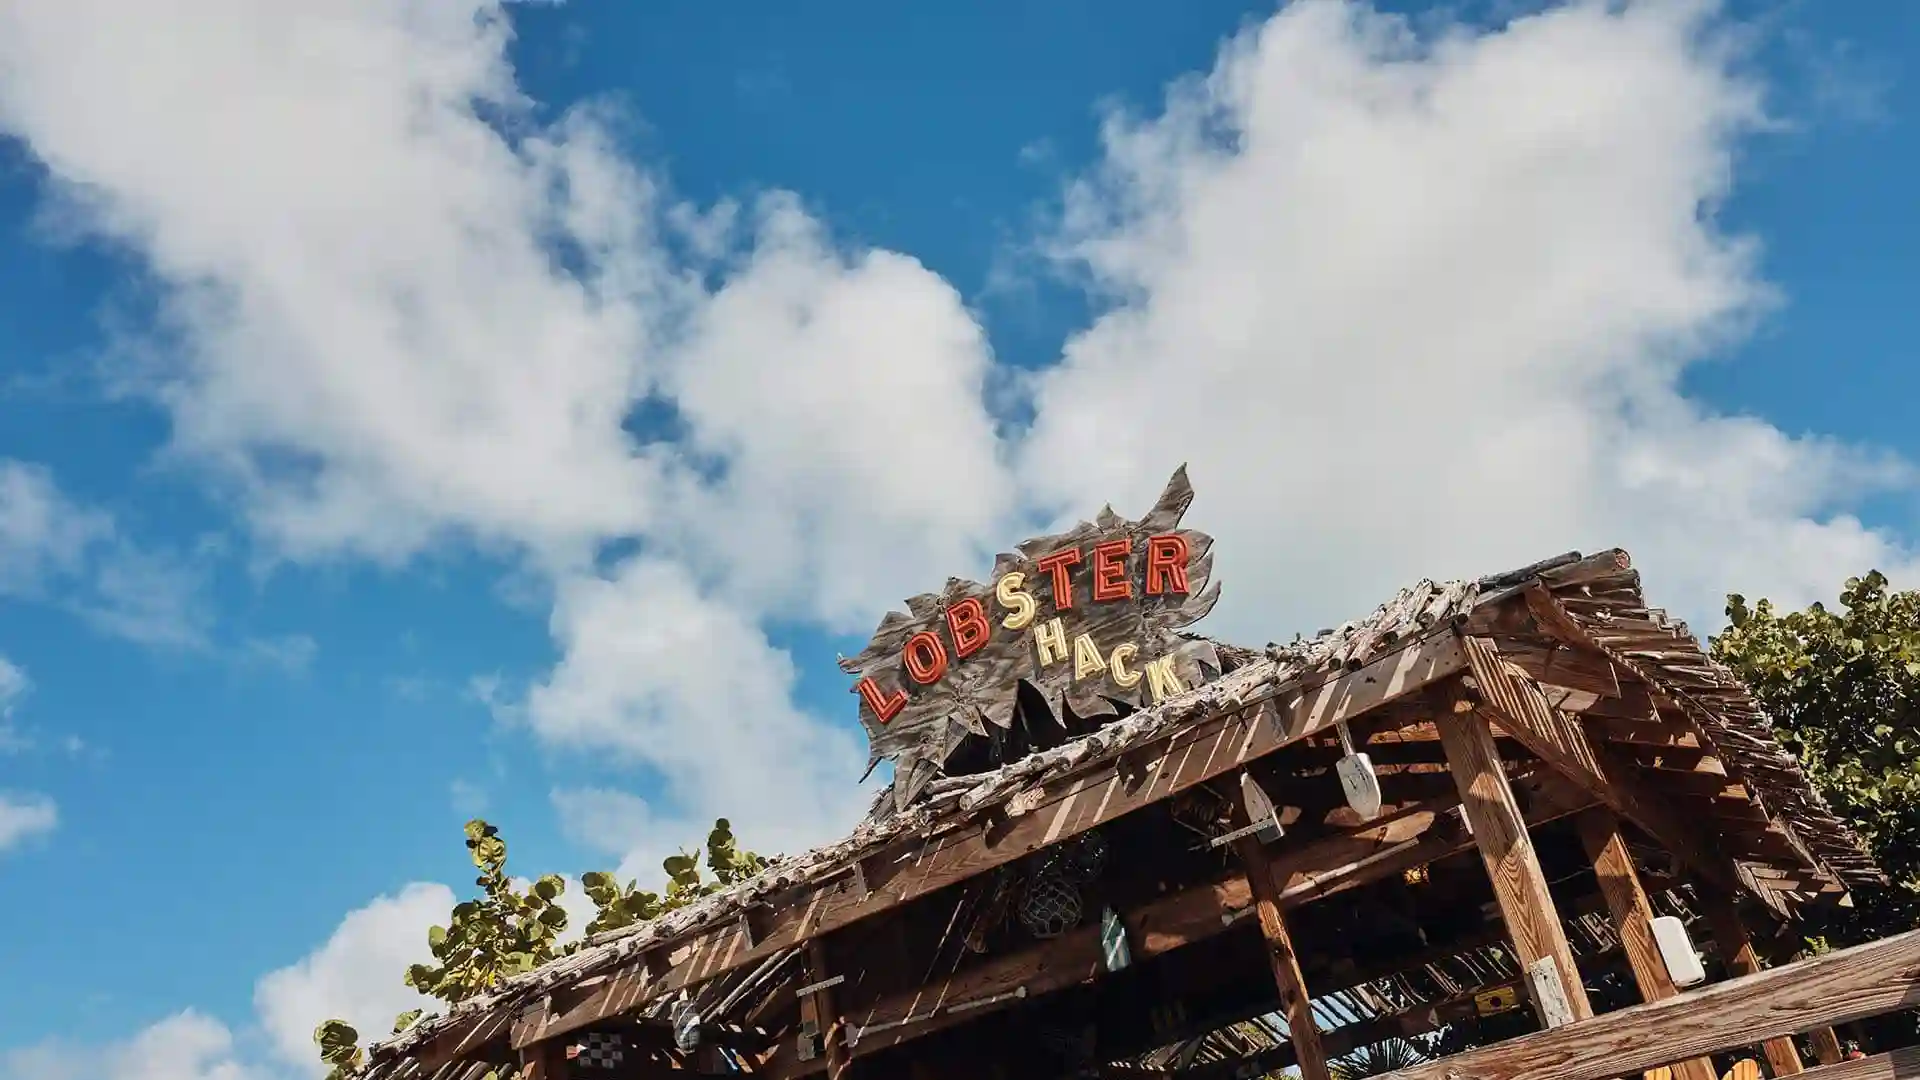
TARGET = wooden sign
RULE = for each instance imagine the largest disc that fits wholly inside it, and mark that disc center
(1089, 618)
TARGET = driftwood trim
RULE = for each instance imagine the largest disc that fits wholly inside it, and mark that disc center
(1839, 987)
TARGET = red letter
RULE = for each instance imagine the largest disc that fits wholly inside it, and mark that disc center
(885, 708)
(968, 622)
(925, 657)
(1057, 564)
(1110, 571)
(1167, 558)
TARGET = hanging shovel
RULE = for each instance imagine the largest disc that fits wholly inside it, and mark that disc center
(1357, 777)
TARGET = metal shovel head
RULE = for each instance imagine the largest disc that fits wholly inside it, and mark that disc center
(1362, 787)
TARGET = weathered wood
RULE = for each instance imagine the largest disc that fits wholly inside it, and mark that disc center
(1730, 938)
(1632, 918)
(819, 1006)
(1566, 666)
(1513, 702)
(1313, 871)
(1826, 1044)
(1902, 1064)
(1282, 958)
(547, 1061)
(1849, 984)
(1270, 719)
(1500, 833)
(971, 663)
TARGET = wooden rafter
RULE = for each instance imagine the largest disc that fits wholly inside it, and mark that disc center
(1417, 835)
(1511, 700)
(1274, 717)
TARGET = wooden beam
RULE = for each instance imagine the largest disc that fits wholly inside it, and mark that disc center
(1558, 664)
(1731, 940)
(819, 1007)
(1282, 958)
(1632, 919)
(1500, 833)
(1903, 1064)
(548, 1062)
(1838, 987)
(1322, 868)
(1512, 701)
(1268, 717)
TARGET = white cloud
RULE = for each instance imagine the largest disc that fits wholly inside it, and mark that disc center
(391, 323)
(14, 685)
(185, 1046)
(54, 549)
(354, 976)
(43, 534)
(1421, 308)
(25, 816)
(689, 688)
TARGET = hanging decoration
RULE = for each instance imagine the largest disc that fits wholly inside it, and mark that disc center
(1051, 905)
(1357, 778)
(1114, 950)
(1091, 618)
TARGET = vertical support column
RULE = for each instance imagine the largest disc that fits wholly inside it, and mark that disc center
(1826, 1046)
(819, 1006)
(1526, 906)
(1302, 1032)
(1736, 949)
(544, 1060)
(1632, 919)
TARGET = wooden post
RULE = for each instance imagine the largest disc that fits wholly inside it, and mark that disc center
(1632, 919)
(1730, 937)
(1526, 906)
(1826, 1046)
(819, 1006)
(1303, 1033)
(545, 1060)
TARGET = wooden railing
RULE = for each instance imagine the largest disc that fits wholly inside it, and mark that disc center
(1837, 988)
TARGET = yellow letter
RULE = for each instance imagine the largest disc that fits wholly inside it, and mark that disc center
(1162, 681)
(1086, 658)
(1051, 638)
(1123, 654)
(1012, 596)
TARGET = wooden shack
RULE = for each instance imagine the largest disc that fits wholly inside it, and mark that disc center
(1484, 814)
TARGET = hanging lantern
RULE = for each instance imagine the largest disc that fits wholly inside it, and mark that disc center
(1051, 905)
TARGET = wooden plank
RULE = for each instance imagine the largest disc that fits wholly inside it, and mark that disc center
(1516, 705)
(1826, 1045)
(1269, 719)
(825, 1015)
(1632, 918)
(1316, 870)
(1902, 1064)
(1500, 833)
(1559, 664)
(1836, 988)
(1282, 958)
(1730, 938)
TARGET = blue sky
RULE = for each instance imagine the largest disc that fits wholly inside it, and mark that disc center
(411, 411)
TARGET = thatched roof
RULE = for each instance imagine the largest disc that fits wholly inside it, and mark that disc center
(1601, 593)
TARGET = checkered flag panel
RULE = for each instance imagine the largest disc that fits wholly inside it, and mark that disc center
(599, 1052)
